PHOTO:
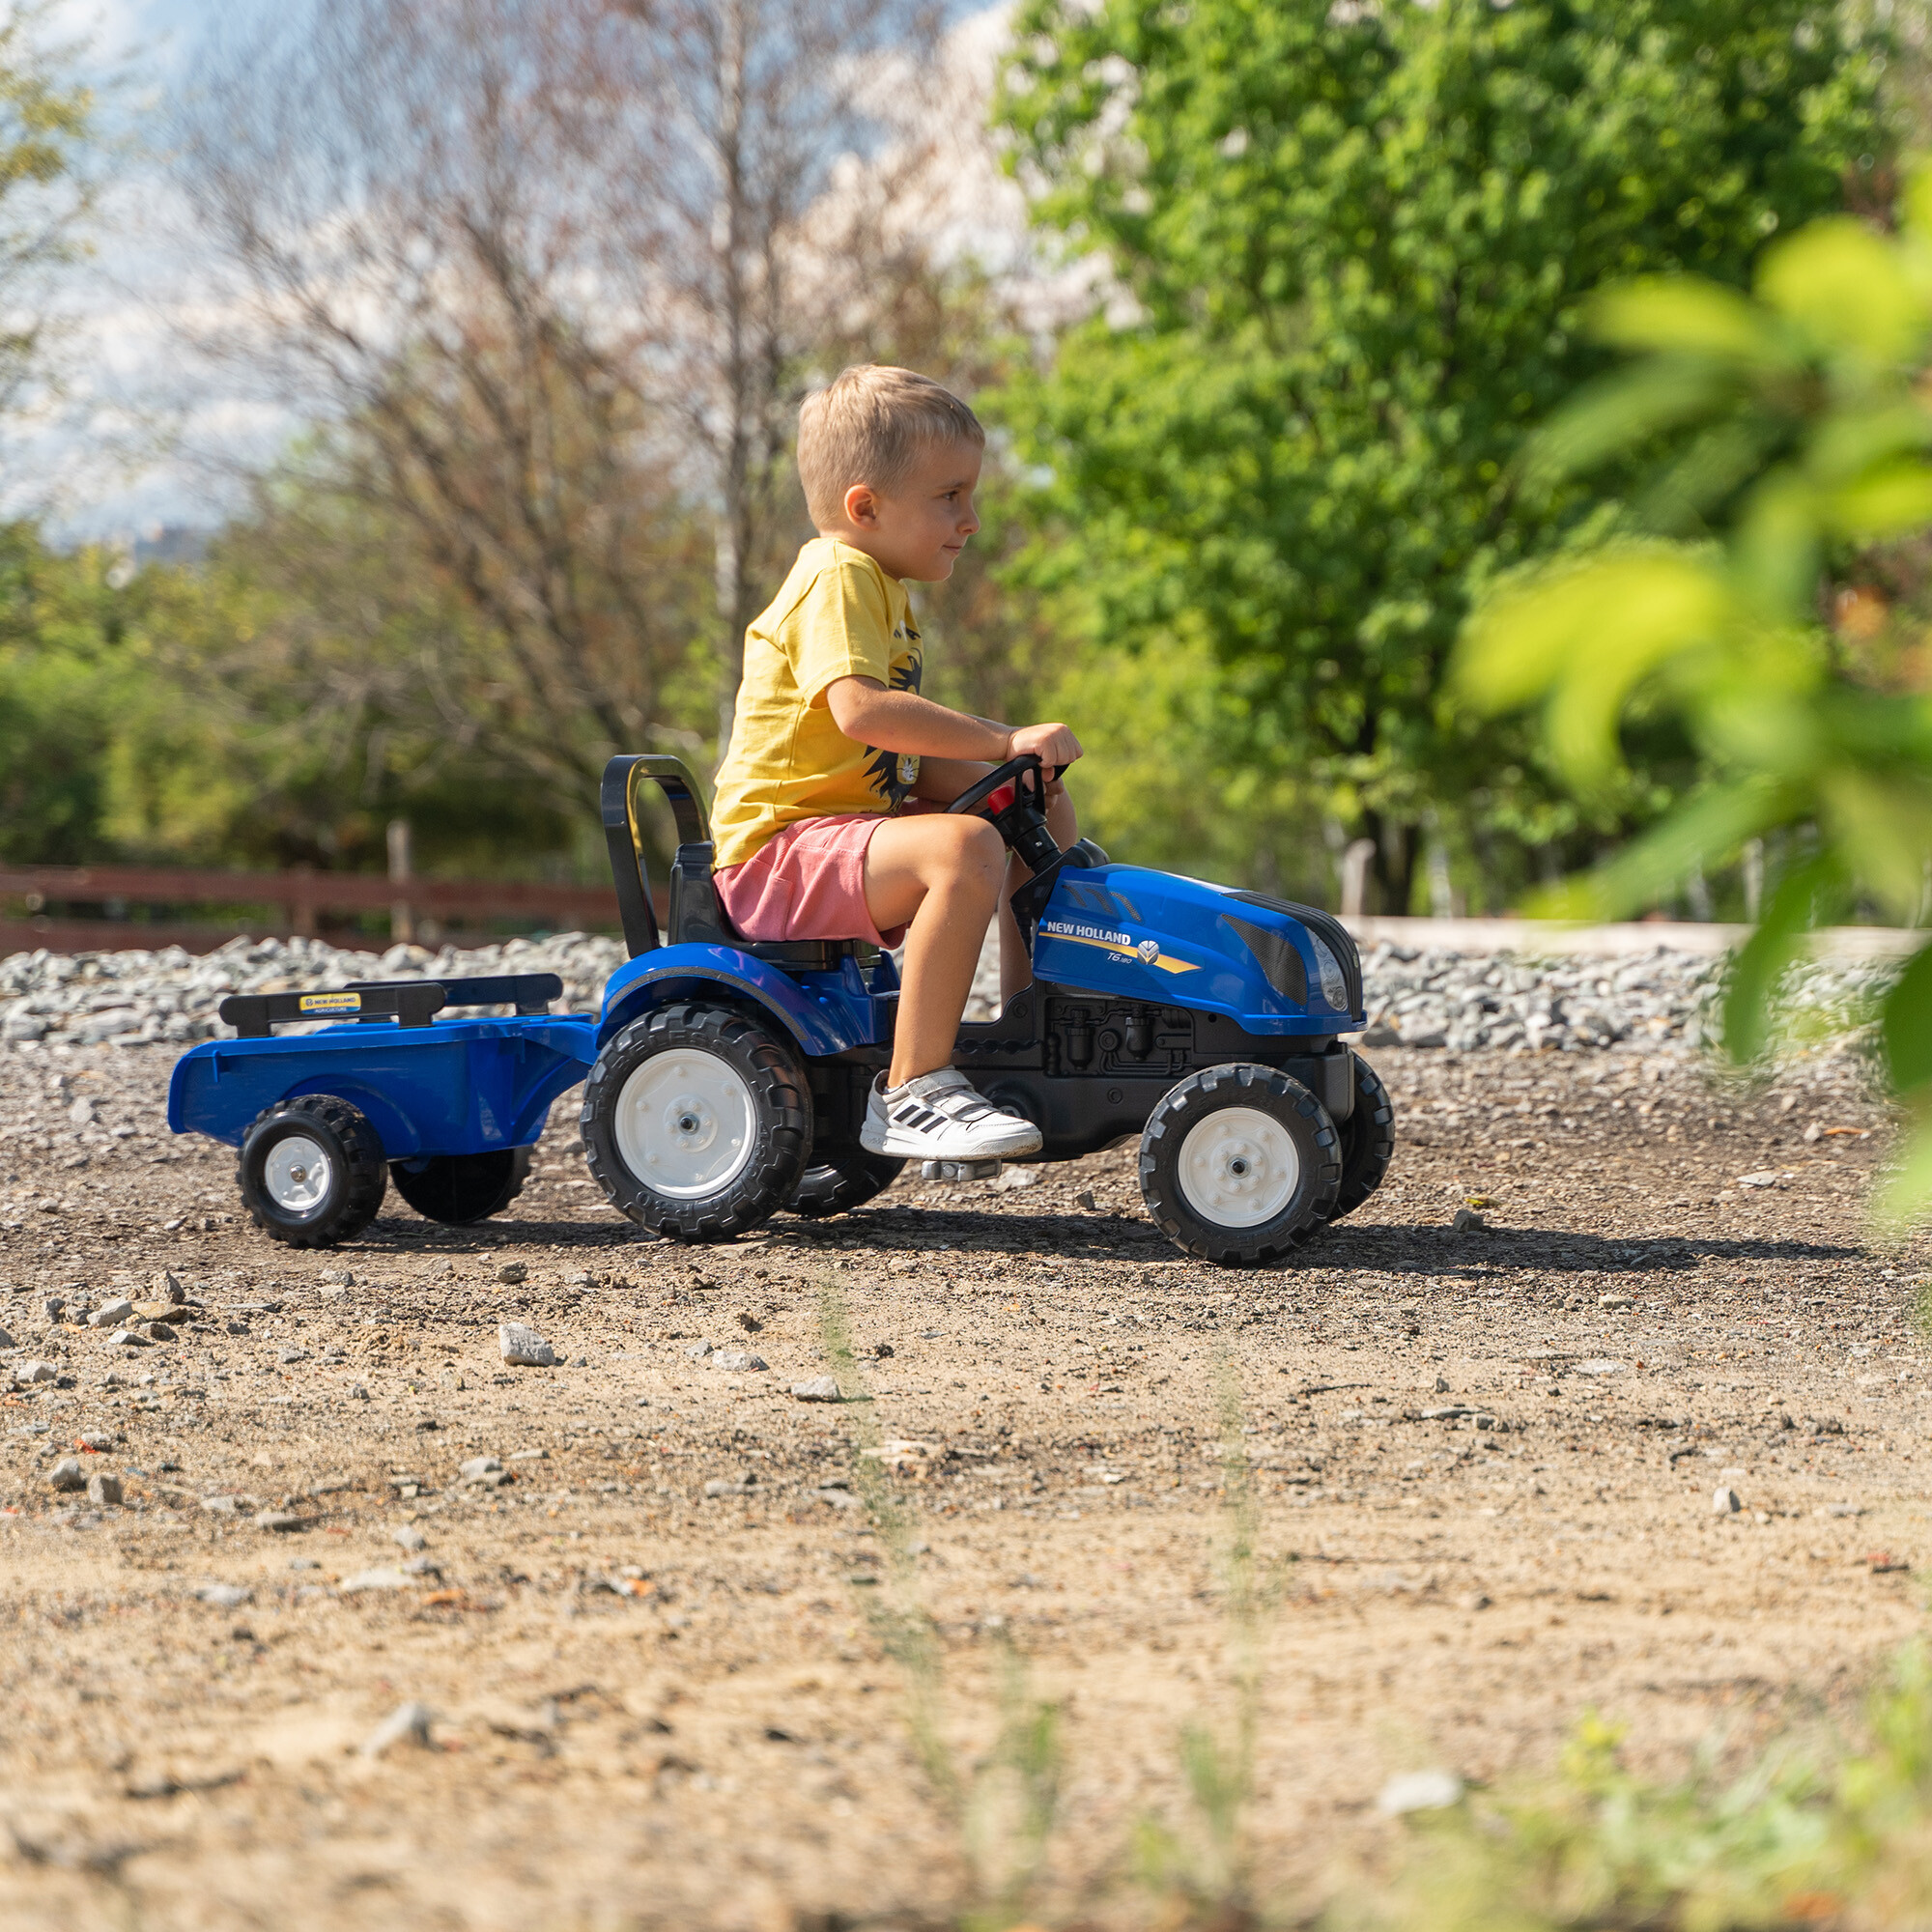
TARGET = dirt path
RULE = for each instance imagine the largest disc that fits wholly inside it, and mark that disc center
(656, 1707)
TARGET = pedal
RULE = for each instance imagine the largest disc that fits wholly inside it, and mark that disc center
(960, 1170)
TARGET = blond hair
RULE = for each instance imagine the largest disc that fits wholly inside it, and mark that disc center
(870, 425)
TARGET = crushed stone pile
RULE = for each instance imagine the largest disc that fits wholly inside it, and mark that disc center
(172, 998)
(1657, 1001)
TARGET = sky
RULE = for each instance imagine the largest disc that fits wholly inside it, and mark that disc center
(92, 468)
(86, 466)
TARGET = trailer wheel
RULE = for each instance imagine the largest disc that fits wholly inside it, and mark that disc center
(311, 1171)
(462, 1188)
(1368, 1141)
(1240, 1165)
(847, 1181)
(697, 1122)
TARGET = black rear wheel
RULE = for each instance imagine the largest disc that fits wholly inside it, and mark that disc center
(1368, 1141)
(848, 1179)
(311, 1171)
(1240, 1165)
(697, 1121)
(460, 1188)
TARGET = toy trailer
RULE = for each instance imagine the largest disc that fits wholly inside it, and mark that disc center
(446, 1108)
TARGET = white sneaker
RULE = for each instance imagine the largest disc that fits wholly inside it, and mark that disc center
(941, 1117)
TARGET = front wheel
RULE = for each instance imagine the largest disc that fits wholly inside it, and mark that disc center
(1240, 1165)
(311, 1171)
(697, 1121)
(1368, 1141)
(838, 1185)
(459, 1189)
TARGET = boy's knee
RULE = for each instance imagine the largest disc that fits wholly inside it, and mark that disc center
(981, 848)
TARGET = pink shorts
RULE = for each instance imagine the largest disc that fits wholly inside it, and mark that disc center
(809, 881)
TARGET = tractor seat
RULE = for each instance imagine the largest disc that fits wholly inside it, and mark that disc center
(697, 915)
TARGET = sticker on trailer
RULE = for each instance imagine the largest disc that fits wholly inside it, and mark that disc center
(331, 1003)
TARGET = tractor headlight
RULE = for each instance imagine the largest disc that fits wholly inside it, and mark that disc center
(1275, 953)
(1328, 973)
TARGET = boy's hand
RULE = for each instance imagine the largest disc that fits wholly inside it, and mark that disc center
(1053, 744)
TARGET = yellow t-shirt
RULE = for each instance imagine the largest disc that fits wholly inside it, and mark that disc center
(839, 615)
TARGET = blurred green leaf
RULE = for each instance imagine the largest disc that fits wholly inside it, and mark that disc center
(1847, 288)
(1906, 1022)
(1769, 954)
(1685, 312)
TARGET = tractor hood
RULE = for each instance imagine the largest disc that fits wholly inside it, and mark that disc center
(1275, 967)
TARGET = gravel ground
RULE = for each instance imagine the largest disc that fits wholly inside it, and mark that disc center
(1422, 999)
(651, 1692)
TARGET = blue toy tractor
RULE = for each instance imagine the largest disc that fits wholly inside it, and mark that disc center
(727, 1078)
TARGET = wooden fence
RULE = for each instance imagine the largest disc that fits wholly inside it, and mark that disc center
(85, 908)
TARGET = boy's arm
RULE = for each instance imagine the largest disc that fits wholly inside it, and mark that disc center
(903, 721)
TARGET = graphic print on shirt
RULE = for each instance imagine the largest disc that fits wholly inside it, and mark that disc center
(894, 774)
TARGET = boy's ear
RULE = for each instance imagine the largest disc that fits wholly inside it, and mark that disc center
(862, 506)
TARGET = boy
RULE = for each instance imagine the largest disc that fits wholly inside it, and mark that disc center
(829, 818)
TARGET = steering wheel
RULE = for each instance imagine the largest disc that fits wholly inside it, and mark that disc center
(1013, 773)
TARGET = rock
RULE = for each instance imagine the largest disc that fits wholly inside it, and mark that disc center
(222, 1505)
(732, 1486)
(524, 1348)
(1378, 1032)
(373, 1579)
(406, 1724)
(1419, 1791)
(81, 1113)
(1015, 1178)
(1615, 1301)
(97, 1439)
(1442, 1384)
(737, 1361)
(103, 1491)
(821, 1388)
(168, 1288)
(6, 1340)
(224, 1596)
(281, 1521)
(480, 1469)
(111, 1314)
(67, 1475)
(336, 1278)
(748, 1322)
(287, 1355)
(1725, 1503)
(128, 1338)
(697, 1350)
(34, 1371)
(1465, 1219)
(1599, 1365)
(408, 1538)
(513, 1274)
(160, 1331)
(1766, 1177)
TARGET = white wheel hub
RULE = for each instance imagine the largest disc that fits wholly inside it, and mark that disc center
(1238, 1167)
(684, 1123)
(295, 1174)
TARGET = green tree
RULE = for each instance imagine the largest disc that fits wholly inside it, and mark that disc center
(1799, 463)
(1348, 247)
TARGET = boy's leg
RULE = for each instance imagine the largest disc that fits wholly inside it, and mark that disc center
(1015, 968)
(941, 876)
(942, 780)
